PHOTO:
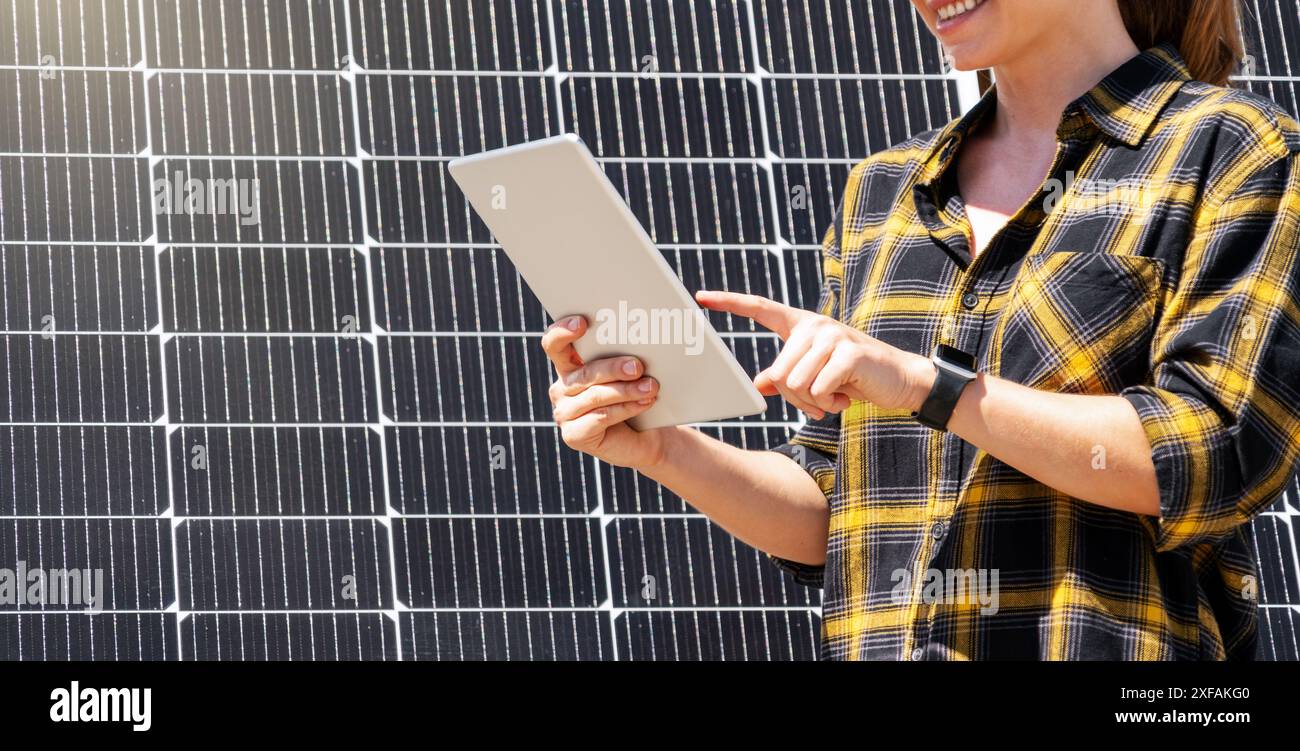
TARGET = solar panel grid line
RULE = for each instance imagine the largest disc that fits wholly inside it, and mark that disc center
(398, 72)
(776, 249)
(327, 424)
(734, 336)
(390, 513)
(208, 334)
(469, 73)
(170, 512)
(387, 524)
(475, 608)
(1285, 79)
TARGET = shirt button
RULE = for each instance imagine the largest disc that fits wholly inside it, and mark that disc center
(917, 654)
(970, 300)
(937, 530)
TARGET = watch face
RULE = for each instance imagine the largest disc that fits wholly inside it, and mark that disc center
(955, 356)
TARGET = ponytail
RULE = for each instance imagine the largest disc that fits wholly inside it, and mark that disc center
(1205, 32)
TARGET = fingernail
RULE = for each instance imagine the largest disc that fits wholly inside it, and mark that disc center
(645, 385)
(629, 367)
(646, 401)
(573, 323)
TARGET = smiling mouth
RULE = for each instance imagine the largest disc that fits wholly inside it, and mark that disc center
(957, 10)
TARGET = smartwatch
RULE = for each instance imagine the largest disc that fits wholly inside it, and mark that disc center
(953, 370)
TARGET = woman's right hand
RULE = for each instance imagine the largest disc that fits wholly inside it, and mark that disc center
(592, 401)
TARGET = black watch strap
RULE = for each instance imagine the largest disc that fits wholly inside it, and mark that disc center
(953, 371)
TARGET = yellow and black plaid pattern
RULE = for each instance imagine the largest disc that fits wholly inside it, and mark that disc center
(1160, 262)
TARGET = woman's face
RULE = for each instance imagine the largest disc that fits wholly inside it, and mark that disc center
(987, 33)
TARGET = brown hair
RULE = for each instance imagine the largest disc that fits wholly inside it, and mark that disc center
(1205, 32)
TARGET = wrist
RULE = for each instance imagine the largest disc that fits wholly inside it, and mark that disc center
(919, 376)
(670, 440)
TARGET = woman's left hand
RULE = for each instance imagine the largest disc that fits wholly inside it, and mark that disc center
(824, 364)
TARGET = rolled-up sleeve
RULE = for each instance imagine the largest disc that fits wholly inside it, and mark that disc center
(1222, 406)
(821, 465)
(815, 445)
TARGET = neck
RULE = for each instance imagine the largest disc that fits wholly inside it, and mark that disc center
(1034, 88)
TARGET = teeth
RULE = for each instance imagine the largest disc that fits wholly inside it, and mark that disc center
(958, 8)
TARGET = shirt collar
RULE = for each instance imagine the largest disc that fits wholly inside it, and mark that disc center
(1126, 103)
(1123, 105)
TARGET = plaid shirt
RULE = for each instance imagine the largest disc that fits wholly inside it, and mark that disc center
(1160, 262)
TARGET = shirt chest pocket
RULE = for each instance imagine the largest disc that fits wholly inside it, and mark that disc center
(1078, 322)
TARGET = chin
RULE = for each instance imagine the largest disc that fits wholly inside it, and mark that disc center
(974, 56)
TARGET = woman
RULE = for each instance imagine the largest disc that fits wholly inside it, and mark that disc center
(1055, 360)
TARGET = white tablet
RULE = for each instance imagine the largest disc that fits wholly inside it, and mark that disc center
(582, 251)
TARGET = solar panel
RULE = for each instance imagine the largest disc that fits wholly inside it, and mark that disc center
(265, 368)
(1272, 68)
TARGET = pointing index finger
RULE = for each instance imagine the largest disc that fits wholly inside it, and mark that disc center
(769, 314)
